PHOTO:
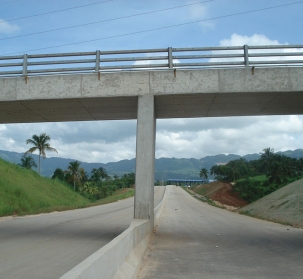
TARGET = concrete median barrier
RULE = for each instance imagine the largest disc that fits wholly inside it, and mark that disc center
(158, 210)
(121, 258)
(118, 259)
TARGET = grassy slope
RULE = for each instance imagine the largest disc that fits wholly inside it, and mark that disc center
(25, 192)
(284, 205)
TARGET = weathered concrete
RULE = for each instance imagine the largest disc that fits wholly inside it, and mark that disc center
(121, 258)
(186, 93)
(145, 159)
(196, 240)
(49, 245)
(158, 210)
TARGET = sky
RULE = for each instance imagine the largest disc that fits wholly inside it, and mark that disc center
(40, 26)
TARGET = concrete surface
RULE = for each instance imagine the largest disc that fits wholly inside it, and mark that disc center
(121, 257)
(145, 159)
(186, 93)
(196, 240)
(158, 211)
(118, 259)
(49, 245)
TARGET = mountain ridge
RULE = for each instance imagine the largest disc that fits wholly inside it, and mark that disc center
(174, 168)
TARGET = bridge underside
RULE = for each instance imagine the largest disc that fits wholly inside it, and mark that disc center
(146, 96)
(167, 106)
(177, 94)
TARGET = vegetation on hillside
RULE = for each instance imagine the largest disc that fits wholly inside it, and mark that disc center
(99, 185)
(28, 162)
(272, 170)
(24, 191)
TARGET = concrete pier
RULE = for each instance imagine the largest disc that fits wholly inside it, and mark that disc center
(145, 159)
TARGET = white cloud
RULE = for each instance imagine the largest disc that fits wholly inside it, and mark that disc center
(201, 12)
(108, 141)
(238, 135)
(8, 28)
(255, 40)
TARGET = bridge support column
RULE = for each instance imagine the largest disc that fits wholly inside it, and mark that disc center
(145, 159)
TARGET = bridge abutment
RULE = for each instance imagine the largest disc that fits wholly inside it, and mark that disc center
(145, 159)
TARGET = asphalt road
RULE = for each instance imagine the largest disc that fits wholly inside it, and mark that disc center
(49, 245)
(196, 240)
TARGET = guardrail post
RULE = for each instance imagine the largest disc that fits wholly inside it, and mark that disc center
(246, 60)
(97, 66)
(170, 58)
(24, 70)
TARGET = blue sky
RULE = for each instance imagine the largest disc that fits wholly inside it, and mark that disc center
(29, 27)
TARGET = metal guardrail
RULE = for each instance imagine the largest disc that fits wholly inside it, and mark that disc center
(144, 59)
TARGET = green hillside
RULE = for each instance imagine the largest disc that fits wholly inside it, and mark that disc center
(25, 192)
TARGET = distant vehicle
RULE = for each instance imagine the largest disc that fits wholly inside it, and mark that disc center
(187, 186)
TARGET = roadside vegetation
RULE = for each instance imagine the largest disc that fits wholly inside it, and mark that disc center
(97, 185)
(255, 179)
(23, 191)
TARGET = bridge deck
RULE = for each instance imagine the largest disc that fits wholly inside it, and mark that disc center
(178, 94)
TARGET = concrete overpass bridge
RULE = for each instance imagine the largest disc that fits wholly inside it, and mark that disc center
(151, 84)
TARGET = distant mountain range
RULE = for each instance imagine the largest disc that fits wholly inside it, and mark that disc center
(165, 168)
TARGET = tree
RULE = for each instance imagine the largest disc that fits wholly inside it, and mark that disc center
(59, 174)
(98, 174)
(75, 173)
(233, 166)
(41, 144)
(266, 157)
(204, 174)
(28, 162)
(280, 169)
(213, 170)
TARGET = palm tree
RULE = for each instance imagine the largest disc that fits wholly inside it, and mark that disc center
(233, 166)
(75, 172)
(213, 171)
(40, 143)
(103, 173)
(279, 170)
(204, 173)
(28, 162)
(98, 174)
(267, 157)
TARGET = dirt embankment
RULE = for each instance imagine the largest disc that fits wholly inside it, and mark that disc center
(284, 205)
(221, 193)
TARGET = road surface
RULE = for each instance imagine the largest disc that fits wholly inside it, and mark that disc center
(196, 240)
(48, 245)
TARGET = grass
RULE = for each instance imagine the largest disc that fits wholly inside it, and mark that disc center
(200, 191)
(120, 194)
(25, 192)
(260, 178)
